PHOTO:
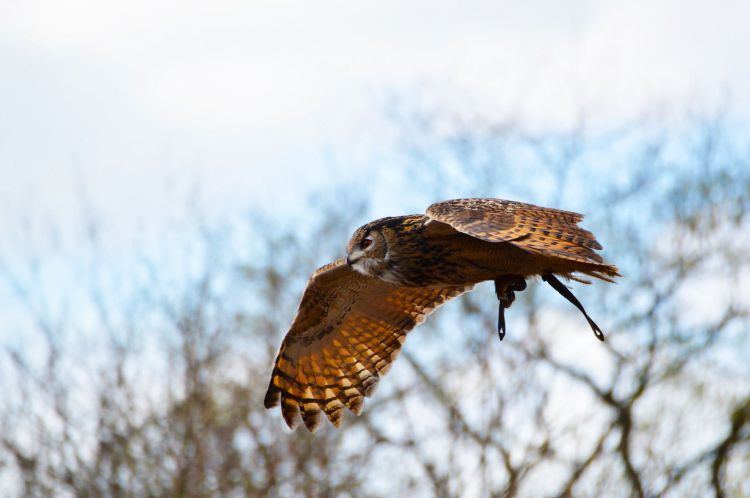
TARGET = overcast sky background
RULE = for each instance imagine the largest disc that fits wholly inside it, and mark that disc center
(138, 103)
(251, 100)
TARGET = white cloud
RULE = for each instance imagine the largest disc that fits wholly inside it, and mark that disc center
(246, 93)
(231, 64)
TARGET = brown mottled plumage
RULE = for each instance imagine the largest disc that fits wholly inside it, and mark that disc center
(355, 313)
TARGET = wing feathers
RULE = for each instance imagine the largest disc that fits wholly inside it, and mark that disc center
(540, 230)
(347, 333)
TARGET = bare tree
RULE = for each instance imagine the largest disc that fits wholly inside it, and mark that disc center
(150, 382)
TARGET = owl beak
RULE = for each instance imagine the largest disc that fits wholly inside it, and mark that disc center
(353, 257)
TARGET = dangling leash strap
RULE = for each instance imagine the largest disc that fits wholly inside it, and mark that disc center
(501, 322)
(565, 292)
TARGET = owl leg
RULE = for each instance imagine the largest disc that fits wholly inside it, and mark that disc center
(505, 288)
(565, 292)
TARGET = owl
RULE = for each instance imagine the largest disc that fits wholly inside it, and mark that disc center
(355, 313)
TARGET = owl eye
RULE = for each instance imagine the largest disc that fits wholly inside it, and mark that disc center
(366, 242)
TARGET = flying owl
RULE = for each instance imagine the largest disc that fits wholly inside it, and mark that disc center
(356, 312)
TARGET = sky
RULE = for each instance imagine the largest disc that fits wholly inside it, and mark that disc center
(134, 105)
(253, 101)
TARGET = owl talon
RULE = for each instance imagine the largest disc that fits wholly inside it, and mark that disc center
(508, 299)
(505, 291)
(519, 284)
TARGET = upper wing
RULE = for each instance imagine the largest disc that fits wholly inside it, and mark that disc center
(348, 330)
(533, 228)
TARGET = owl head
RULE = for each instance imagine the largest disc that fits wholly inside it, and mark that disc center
(377, 249)
(367, 250)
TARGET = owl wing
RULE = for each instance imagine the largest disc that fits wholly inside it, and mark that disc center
(536, 229)
(347, 332)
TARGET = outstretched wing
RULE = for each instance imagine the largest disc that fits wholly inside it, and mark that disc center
(347, 332)
(536, 229)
